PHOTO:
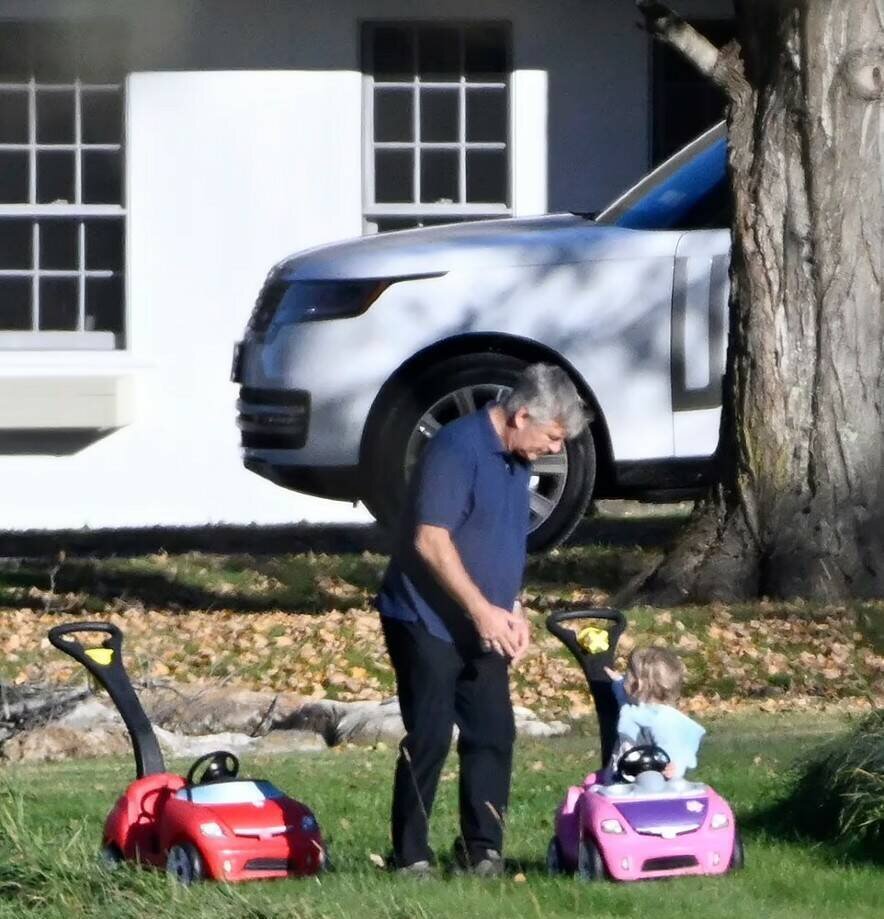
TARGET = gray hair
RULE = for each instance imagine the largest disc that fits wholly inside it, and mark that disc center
(548, 394)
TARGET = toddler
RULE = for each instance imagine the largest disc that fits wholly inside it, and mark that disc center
(647, 697)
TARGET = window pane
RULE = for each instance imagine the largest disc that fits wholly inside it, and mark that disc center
(393, 53)
(393, 115)
(14, 63)
(13, 177)
(104, 245)
(102, 117)
(102, 182)
(440, 120)
(55, 177)
(439, 173)
(58, 245)
(393, 176)
(439, 53)
(487, 176)
(55, 117)
(58, 304)
(487, 115)
(15, 304)
(13, 118)
(15, 244)
(104, 305)
(486, 52)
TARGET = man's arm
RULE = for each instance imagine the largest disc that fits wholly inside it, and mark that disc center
(437, 550)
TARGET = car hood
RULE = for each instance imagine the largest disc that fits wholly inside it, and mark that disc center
(262, 819)
(552, 239)
(676, 814)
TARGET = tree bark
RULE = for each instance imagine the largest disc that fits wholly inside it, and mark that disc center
(799, 509)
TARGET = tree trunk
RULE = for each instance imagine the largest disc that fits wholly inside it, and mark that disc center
(799, 510)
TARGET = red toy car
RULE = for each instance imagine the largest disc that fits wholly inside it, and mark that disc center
(210, 824)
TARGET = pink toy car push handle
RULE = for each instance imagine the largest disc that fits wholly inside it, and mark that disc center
(593, 665)
(105, 663)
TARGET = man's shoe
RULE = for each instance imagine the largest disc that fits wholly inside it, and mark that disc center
(420, 870)
(485, 863)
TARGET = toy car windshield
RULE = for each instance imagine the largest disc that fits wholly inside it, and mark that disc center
(234, 792)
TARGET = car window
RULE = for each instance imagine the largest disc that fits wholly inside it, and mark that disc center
(234, 792)
(689, 191)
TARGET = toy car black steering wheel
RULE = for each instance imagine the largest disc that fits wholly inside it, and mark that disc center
(216, 767)
(646, 758)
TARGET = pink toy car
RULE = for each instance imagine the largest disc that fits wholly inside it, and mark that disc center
(646, 828)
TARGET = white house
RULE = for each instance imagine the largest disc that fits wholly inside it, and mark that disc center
(157, 158)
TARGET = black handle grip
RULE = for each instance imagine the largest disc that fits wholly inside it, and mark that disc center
(593, 666)
(58, 636)
(569, 638)
(105, 663)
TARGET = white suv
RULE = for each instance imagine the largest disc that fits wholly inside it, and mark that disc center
(356, 353)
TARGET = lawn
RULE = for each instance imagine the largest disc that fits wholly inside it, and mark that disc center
(50, 820)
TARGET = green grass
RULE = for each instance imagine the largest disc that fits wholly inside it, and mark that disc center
(50, 819)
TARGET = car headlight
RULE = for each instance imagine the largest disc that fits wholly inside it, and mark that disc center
(308, 823)
(286, 302)
(212, 829)
(719, 821)
(612, 826)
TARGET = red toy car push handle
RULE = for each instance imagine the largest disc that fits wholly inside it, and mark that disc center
(105, 663)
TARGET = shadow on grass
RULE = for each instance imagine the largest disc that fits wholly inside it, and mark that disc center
(310, 568)
(779, 822)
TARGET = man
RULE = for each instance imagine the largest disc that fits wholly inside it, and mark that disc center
(450, 615)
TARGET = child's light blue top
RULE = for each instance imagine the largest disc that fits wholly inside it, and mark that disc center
(665, 726)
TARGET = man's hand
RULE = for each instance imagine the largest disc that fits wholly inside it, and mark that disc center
(494, 625)
(521, 628)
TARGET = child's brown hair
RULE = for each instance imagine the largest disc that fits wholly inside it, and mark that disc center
(654, 675)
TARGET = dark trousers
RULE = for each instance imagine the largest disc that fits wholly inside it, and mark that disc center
(438, 687)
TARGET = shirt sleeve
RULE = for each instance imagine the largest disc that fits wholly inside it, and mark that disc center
(445, 488)
(619, 692)
(628, 727)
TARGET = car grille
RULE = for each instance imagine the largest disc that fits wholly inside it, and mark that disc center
(274, 419)
(669, 863)
(267, 864)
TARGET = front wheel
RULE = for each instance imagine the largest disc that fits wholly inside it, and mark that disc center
(738, 856)
(415, 409)
(185, 864)
(590, 864)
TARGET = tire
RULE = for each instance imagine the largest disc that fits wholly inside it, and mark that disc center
(555, 863)
(590, 864)
(738, 855)
(414, 409)
(110, 857)
(185, 864)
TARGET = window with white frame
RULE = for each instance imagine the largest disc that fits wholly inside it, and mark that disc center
(61, 186)
(437, 123)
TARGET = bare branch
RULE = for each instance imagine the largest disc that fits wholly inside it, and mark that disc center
(671, 29)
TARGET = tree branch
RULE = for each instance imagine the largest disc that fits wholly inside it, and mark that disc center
(672, 30)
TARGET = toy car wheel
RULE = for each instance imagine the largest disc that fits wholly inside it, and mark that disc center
(110, 857)
(555, 864)
(185, 864)
(738, 857)
(590, 864)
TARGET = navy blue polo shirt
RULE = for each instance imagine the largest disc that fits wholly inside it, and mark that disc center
(468, 483)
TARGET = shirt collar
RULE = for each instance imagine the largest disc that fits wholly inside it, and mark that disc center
(492, 438)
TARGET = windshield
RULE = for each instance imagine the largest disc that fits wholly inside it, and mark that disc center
(236, 792)
(688, 191)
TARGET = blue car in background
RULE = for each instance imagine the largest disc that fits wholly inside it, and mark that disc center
(356, 353)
